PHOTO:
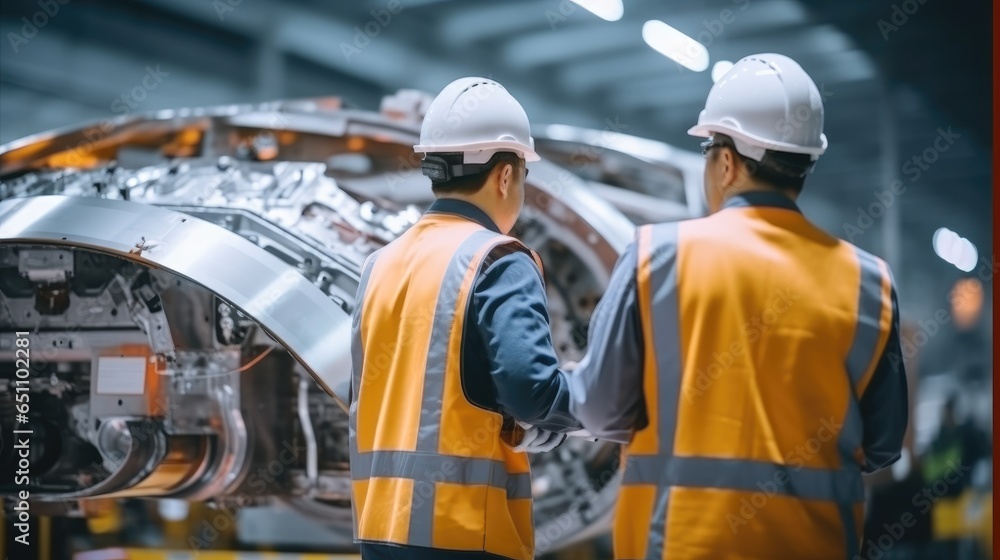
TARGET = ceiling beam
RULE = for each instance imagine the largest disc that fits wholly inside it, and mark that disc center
(383, 60)
(572, 43)
(493, 21)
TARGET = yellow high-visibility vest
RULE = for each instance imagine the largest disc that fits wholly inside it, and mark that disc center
(761, 335)
(428, 467)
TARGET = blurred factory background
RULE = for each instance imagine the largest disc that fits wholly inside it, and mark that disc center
(894, 83)
(908, 112)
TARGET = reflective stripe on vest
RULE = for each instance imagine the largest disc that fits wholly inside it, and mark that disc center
(424, 465)
(443, 468)
(357, 360)
(870, 334)
(651, 460)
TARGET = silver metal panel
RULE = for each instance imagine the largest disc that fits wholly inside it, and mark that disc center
(253, 280)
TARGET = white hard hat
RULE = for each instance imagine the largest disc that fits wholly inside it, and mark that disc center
(478, 118)
(765, 102)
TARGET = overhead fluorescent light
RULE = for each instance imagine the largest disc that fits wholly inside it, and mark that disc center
(955, 249)
(675, 45)
(720, 68)
(610, 10)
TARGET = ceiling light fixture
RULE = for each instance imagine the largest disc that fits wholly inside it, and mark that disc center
(675, 45)
(955, 249)
(610, 10)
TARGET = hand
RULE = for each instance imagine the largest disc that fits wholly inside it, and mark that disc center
(582, 434)
(537, 440)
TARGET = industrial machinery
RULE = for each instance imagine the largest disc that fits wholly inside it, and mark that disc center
(185, 281)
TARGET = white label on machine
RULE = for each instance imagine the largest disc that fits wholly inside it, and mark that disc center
(121, 376)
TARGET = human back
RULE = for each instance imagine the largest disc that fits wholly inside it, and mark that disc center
(412, 407)
(751, 324)
(788, 294)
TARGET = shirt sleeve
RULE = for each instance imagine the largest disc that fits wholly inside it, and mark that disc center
(884, 406)
(513, 322)
(607, 385)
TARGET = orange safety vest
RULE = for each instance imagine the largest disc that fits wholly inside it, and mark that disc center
(428, 468)
(761, 334)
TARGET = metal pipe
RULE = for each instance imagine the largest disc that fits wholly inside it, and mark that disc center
(312, 461)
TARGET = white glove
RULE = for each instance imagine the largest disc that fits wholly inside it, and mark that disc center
(537, 440)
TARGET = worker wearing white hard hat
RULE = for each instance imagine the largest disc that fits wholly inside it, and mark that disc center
(455, 378)
(749, 360)
(477, 118)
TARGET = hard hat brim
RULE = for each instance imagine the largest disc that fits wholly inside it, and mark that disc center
(706, 130)
(525, 152)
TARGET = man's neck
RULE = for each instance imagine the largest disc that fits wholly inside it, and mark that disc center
(474, 199)
(754, 187)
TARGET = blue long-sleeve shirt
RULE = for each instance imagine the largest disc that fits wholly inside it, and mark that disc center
(508, 362)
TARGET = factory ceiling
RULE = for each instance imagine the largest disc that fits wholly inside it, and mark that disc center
(904, 81)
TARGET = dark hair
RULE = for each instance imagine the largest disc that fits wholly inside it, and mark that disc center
(782, 170)
(471, 184)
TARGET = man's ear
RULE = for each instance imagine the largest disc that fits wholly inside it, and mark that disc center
(730, 169)
(505, 177)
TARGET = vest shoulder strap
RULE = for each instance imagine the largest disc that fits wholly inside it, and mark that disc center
(504, 245)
